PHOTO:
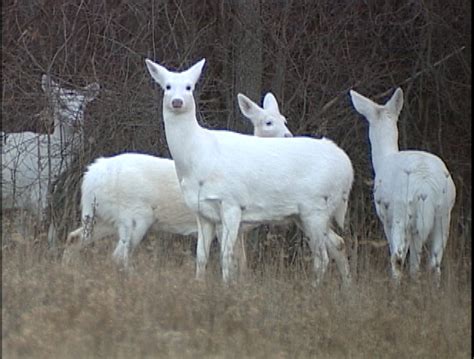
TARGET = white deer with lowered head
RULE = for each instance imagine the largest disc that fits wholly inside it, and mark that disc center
(130, 193)
(229, 178)
(32, 161)
(413, 190)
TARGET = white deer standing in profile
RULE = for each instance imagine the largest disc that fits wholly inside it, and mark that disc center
(229, 178)
(31, 162)
(130, 193)
(413, 190)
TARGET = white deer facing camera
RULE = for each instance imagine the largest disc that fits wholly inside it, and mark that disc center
(130, 193)
(31, 162)
(229, 178)
(413, 190)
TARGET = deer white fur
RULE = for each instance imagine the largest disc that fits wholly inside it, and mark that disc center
(269, 122)
(413, 190)
(32, 161)
(229, 178)
(130, 193)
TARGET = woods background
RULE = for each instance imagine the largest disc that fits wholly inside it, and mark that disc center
(308, 53)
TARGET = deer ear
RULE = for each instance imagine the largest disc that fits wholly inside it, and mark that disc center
(363, 105)
(249, 108)
(158, 72)
(270, 103)
(194, 71)
(92, 91)
(395, 104)
(48, 84)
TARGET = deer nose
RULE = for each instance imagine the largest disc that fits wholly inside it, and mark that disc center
(177, 103)
(288, 134)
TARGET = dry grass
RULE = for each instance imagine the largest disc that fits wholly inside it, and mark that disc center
(89, 309)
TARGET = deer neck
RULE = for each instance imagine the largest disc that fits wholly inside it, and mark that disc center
(65, 135)
(381, 147)
(183, 135)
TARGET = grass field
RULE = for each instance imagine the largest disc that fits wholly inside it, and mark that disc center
(89, 309)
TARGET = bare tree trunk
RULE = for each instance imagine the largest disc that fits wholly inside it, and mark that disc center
(281, 45)
(247, 55)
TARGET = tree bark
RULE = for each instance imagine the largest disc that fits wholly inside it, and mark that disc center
(247, 66)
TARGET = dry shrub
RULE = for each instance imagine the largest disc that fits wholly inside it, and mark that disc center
(312, 53)
(90, 308)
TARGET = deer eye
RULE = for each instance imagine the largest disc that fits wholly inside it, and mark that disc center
(188, 88)
(168, 87)
(268, 123)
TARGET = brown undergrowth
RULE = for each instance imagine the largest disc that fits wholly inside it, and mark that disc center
(90, 309)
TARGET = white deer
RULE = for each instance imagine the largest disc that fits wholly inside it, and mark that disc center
(268, 121)
(229, 178)
(31, 162)
(413, 190)
(130, 193)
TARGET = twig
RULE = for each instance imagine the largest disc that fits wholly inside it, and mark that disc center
(385, 93)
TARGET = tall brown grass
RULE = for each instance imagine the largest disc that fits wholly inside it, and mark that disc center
(90, 309)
